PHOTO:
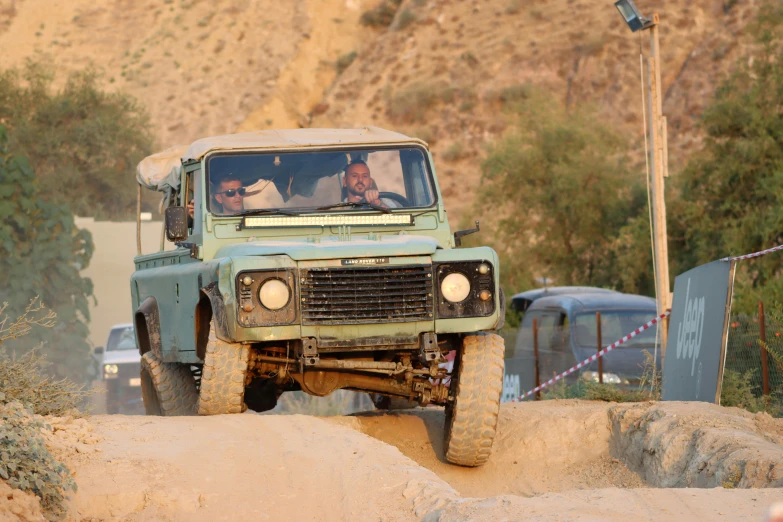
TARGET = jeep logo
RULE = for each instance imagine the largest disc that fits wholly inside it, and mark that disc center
(689, 334)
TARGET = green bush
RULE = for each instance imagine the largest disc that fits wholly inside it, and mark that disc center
(737, 391)
(556, 192)
(382, 15)
(83, 142)
(42, 253)
(27, 464)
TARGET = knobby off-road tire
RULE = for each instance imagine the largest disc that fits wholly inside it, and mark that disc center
(476, 386)
(223, 377)
(383, 402)
(167, 389)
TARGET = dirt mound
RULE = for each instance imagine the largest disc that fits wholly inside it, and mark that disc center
(699, 445)
(553, 460)
(249, 466)
(541, 447)
(18, 506)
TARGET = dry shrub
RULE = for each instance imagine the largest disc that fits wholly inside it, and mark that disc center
(509, 96)
(455, 152)
(404, 19)
(411, 104)
(382, 15)
(24, 379)
(345, 61)
(648, 389)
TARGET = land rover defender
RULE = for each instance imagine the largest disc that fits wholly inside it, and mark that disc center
(316, 260)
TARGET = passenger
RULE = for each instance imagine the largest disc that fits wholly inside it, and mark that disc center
(359, 186)
(230, 195)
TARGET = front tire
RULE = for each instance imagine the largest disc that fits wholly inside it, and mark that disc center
(223, 377)
(168, 389)
(474, 400)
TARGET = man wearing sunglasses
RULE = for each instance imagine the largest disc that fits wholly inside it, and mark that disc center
(230, 195)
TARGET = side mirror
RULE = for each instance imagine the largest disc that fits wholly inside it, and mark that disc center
(98, 350)
(176, 223)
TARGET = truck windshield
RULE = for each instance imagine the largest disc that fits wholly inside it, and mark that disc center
(121, 338)
(319, 181)
(615, 325)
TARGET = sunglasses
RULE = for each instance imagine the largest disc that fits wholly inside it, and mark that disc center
(233, 192)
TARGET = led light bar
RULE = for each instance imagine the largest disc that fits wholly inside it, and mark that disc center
(327, 221)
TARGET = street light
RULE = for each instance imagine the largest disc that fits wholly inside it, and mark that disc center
(658, 154)
(633, 17)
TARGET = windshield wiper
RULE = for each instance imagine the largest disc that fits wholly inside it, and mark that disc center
(356, 204)
(265, 211)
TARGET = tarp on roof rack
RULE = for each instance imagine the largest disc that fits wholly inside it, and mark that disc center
(161, 171)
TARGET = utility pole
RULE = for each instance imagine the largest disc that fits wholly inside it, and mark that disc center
(659, 163)
(659, 158)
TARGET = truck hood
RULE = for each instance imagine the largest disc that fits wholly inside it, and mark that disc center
(333, 248)
(121, 357)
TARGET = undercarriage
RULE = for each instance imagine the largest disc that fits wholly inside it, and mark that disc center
(416, 375)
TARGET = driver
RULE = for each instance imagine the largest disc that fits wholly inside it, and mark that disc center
(230, 194)
(359, 186)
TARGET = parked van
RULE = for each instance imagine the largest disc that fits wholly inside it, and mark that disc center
(567, 335)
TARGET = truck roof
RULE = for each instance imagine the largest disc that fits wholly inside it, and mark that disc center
(159, 170)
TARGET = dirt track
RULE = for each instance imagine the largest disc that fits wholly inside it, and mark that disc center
(556, 460)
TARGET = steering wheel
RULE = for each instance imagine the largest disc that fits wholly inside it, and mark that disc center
(402, 200)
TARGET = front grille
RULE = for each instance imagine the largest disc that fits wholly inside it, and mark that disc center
(366, 294)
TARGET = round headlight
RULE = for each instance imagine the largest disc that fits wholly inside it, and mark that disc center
(274, 294)
(455, 287)
(110, 368)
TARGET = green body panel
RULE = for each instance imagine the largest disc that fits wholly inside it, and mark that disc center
(177, 281)
(176, 284)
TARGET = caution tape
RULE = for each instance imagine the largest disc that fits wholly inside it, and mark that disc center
(754, 254)
(596, 356)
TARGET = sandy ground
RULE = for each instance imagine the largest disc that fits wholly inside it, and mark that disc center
(553, 460)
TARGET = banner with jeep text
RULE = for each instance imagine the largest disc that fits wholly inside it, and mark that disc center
(696, 347)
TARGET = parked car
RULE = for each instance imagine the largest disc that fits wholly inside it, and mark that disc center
(567, 335)
(120, 369)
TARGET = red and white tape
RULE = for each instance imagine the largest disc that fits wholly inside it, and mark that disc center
(596, 356)
(755, 254)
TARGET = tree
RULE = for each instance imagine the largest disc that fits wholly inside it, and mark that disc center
(41, 254)
(732, 191)
(83, 142)
(555, 195)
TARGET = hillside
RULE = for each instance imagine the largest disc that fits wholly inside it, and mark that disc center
(200, 67)
(443, 71)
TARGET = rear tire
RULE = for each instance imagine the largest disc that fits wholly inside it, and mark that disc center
(474, 400)
(168, 389)
(223, 377)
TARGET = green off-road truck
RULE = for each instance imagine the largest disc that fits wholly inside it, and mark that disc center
(316, 260)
